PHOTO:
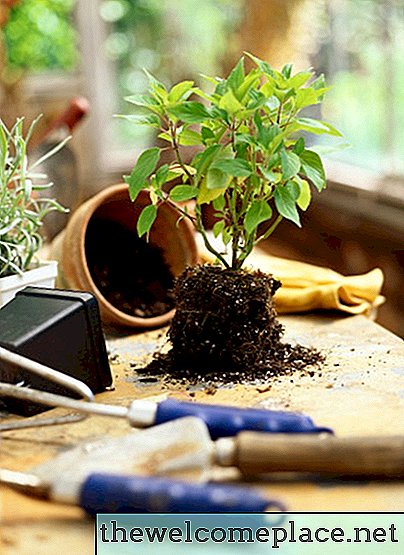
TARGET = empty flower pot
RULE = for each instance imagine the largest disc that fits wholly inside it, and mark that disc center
(102, 231)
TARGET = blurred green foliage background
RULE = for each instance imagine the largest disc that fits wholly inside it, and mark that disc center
(359, 46)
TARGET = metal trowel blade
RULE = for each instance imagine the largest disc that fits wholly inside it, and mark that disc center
(180, 448)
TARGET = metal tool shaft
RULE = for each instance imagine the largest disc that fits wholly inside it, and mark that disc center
(53, 400)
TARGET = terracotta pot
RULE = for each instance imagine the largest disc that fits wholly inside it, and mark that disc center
(175, 239)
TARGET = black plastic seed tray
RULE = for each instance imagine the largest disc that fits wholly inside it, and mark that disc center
(60, 329)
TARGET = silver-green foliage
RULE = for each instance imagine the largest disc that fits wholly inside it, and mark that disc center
(252, 163)
(22, 209)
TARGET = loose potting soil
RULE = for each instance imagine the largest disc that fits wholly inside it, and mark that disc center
(225, 330)
(130, 273)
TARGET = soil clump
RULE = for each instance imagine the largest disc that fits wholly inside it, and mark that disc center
(225, 331)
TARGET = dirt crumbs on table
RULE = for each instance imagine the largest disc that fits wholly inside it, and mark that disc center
(131, 273)
(226, 331)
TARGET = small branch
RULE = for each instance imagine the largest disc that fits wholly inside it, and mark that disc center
(177, 153)
(271, 229)
(209, 247)
(192, 219)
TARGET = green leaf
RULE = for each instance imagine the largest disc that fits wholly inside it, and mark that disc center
(152, 120)
(146, 219)
(162, 175)
(3, 147)
(312, 167)
(299, 146)
(145, 165)
(145, 101)
(219, 203)
(316, 126)
(188, 137)
(181, 193)
(180, 91)
(249, 83)
(203, 159)
(264, 66)
(267, 133)
(216, 179)
(299, 79)
(230, 104)
(287, 71)
(285, 202)
(165, 136)
(218, 228)
(306, 97)
(258, 212)
(304, 198)
(221, 87)
(258, 99)
(207, 134)
(236, 76)
(207, 195)
(269, 175)
(190, 112)
(290, 164)
(233, 166)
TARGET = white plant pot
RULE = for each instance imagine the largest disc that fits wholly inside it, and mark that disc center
(42, 276)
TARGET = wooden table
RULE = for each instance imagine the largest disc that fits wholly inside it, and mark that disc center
(359, 391)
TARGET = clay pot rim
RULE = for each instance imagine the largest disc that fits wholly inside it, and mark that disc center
(123, 317)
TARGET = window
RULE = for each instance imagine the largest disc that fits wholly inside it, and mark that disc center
(173, 40)
(359, 48)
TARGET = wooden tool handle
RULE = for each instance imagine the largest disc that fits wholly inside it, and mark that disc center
(257, 453)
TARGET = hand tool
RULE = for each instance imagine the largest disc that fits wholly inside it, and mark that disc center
(106, 493)
(183, 448)
(222, 421)
(115, 475)
(255, 453)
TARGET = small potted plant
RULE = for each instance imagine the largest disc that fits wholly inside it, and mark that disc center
(22, 209)
(253, 166)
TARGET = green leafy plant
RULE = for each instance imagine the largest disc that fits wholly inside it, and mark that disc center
(22, 209)
(252, 162)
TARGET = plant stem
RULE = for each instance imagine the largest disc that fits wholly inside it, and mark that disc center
(210, 248)
(271, 229)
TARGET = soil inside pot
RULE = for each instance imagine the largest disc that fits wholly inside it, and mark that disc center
(225, 330)
(130, 273)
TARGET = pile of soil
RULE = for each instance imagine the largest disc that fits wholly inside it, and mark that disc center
(225, 330)
(130, 273)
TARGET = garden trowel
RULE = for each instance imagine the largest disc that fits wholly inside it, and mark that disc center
(257, 453)
(184, 448)
(117, 475)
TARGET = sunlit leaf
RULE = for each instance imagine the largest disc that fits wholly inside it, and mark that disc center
(312, 167)
(181, 193)
(290, 164)
(145, 165)
(258, 212)
(190, 112)
(285, 202)
(233, 166)
(146, 219)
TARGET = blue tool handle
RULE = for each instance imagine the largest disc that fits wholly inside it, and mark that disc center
(225, 421)
(106, 493)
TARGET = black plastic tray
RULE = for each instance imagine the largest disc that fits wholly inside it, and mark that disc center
(60, 329)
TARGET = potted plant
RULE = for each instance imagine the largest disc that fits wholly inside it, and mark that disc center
(253, 166)
(22, 209)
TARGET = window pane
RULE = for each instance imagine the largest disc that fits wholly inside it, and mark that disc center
(360, 51)
(173, 40)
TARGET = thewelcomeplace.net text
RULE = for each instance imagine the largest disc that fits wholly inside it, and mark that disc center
(274, 536)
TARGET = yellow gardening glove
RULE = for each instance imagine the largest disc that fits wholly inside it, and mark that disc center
(306, 287)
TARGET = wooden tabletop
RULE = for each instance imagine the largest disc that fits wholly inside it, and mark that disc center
(358, 391)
